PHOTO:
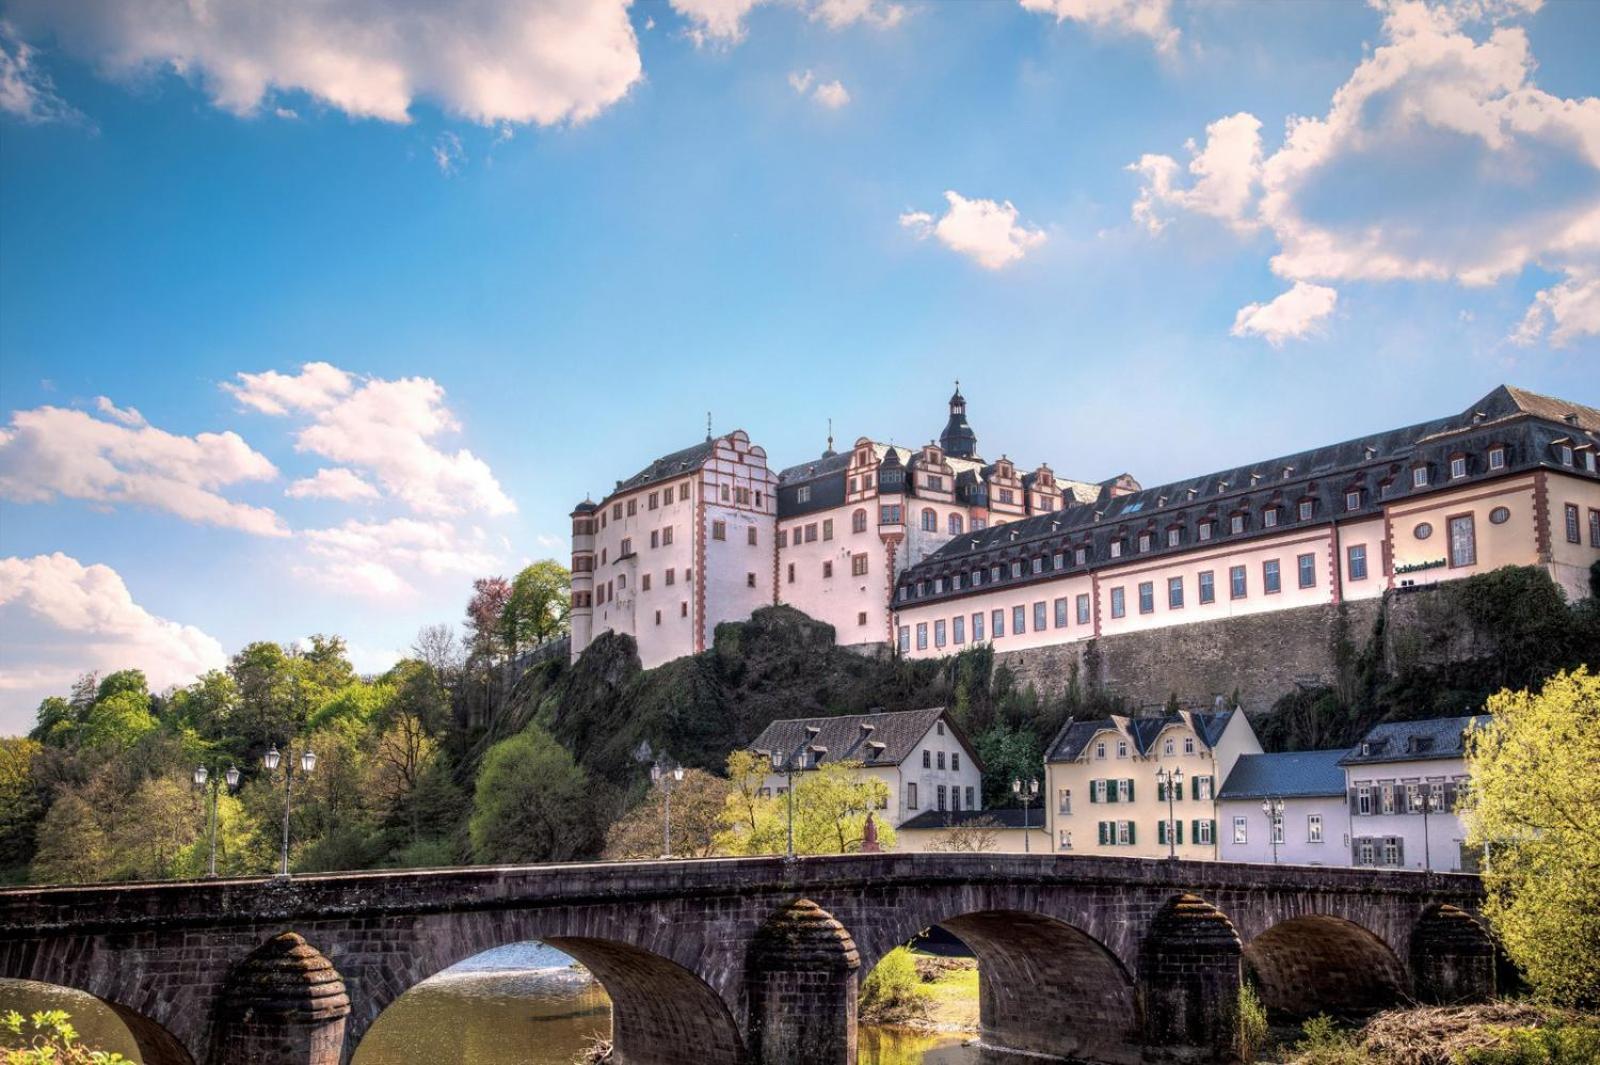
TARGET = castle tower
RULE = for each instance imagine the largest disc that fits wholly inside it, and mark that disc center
(958, 439)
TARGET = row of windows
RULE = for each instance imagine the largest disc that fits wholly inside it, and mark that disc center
(1574, 535)
(1406, 797)
(1121, 790)
(719, 531)
(607, 591)
(928, 760)
(943, 794)
(1241, 828)
(630, 507)
(1369, 849)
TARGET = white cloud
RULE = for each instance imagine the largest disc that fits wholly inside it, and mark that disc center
(983, 230)
(448, 153)
(62, 618)
(381, 560)
(385, 427)
(722, 21)
(1292, 316)
(829, 94)
(547, 62)
(1438, 159)
(26, 91)
(1147, 18)
(1225, 171)
(50, 451)
(317, 386)
(126, 415)
(1573, 306)
(334, 482)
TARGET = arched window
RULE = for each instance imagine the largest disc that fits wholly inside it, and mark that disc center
(930, 520)
(858, 521)
(955, 525)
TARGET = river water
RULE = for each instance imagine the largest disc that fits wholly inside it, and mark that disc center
(523, 1004)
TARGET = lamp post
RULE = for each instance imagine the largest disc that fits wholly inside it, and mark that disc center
(1273, 808)
(1027, 792)
(308, 762)
(785, 765)
(1170, 781)
(1427, 808)
(231, 778)
(660, 774)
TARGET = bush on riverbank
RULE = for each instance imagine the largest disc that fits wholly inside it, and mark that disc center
(893, 992)
(1498, 1033)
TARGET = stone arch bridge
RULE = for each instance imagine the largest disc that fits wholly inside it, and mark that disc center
(755, 961)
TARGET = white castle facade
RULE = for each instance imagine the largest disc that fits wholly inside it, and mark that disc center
(933, 549)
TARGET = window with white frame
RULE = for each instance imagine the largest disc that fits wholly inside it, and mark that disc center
(1100, 786)
(1307, 507)
(1202, 832)
(1241, 829)
(1419, 476)
(1188, 745)
(922, 635)
(1174, 537)
(1313, 828)
(1363, 798)
(1497, 458)
(1100, 750)
(1391, 850)
(1205, 530)
(1144, 542)
(1458, 467)
(1269, 517)
(1066, 839)
(1168, 747)
(1122, 749)
(1236, 523)
(1364, 852)
(1124, 832)
(1463, 541)
(1352, 500)
(1064, 800)
(1124, 791)
(1277, 828)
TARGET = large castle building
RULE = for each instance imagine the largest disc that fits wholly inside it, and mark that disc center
(929, 550)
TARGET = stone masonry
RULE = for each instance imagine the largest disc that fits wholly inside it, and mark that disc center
(755, 961)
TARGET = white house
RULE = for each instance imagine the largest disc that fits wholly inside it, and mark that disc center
(1006, 830)
(1313, 826)
(921, 755)
(1401, 783)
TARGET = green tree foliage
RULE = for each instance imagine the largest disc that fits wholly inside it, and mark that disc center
(536, 608)
(22, 804)
(893, 993)
(697, 804)
(533, 804)
(1532, 803)
(831, 805)
(74, 847)
(117, 721)
(49, 1038)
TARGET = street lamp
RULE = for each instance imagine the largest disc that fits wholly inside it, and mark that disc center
(785, 765)
(1171, 780)
(1027, 792)
(1273, 808)
(231, 778)
(660, 774)
(308, 762)
(1427, 808)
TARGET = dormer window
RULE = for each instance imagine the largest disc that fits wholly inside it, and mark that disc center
(1352, 499)
(1144, 542)
(1016, 569)
(1269, 518)
(1236, 523)
(994, 573)
(1458, 467)
(1037, 566)
(1082, 555)
(1370, 452)
(1122, 748)
(1307, 508)
(1205, 530)
(1174, 537)
(1100, 749)
(1058, 561)
(1419, 477)
(1564, 453)
(1116, 549)
(802, 494)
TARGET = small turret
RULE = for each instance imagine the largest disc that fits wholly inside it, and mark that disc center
(958, 439)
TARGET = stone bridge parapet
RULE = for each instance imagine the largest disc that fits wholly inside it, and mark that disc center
(755, 961)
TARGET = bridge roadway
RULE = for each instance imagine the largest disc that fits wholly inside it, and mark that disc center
(756, 961)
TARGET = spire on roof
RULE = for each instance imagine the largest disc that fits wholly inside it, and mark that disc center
(958, 439)
(708, 427)
(828, 452)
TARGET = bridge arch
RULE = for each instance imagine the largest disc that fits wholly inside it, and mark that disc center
(156, 1044)
(662, 1011)
(1309, 963)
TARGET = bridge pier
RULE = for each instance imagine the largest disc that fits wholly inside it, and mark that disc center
(284, 1005)
(1452, 958)
(1189, 983)
(801, 981)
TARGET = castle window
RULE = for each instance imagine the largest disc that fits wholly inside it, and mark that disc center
(861, 618)
(994, 574)
(811, 533)
(1119, 606)
(1356, 563)
(827, 568)
(719, 530)
(1352, 499)
(1236, 523)
(644, 583)
(889, 515)
(633, 507)
(1038, 616)
(1237, 582)
(802, 494)
(905, 645)
(1016, 569)
(997, 623)
(783, 538)
(1144, 542)
(1307, 565)
(827, 528)
(1208, 586)
(858, 565)
(1058, 561)
(1006, 497)
(1497, 458)
(1307, 508)
(1083, 609)
(958, 628)
(749, 580)
(858, 521)
(1174, 537)
(1269, 517)
(658, 617)
(1037, 565)
(654, 497)
(1147, 597)
(979, 523)
(1573, 536)
(671, 575)
(922, 635)
(1564, 453)
(616, 512)
(1175, 593)
(1061, 612)
(725, 492)
(666, 536)
(683, 491)
(1271, 578)
(930, 520)
(935, 483)
(1116, 549)
(938, 633)
(750, 535)
(1419, 477)
(627, 547)
(1019, 620)
(977, 627)
(1463, 541)
(955, 524)
(1081, 555)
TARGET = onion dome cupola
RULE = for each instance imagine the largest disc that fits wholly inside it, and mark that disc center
(958, 439)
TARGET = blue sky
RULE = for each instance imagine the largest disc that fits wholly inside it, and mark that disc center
(525, 286)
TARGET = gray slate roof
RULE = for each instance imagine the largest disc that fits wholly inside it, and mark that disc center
(1005, 817)
(1074, 736)
(847, 740)
(678, 462)
(1408, 741)
(1296, 774)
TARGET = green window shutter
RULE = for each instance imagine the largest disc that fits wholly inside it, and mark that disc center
(1161, 831)
(1131, 837)
(1111, 791)
(1130, 789)
(1161, 792)
(1101, 825)
(1178, 825)
(1213, 830)
(1194, 830)
(1194, 787)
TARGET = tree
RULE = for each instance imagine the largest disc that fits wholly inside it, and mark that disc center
(123, 680)
(56, 722)
(436, 647)
(698, 801)
(1008, 754)
(1532, 803)
(21, 804)
(403, 755)
(484, 610)
(532, 803)
(118, 721)
(73, 848)
(536, 610)
(269, 706)
(979, 834)
(165, 817)
(831, 804)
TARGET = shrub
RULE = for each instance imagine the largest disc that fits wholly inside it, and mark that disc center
(48, 1038)
(1322, 1043)
(1553, 1044)
(1252, 1023)
(893, 991)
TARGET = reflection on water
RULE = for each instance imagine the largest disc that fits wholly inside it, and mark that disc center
(523, 1004)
